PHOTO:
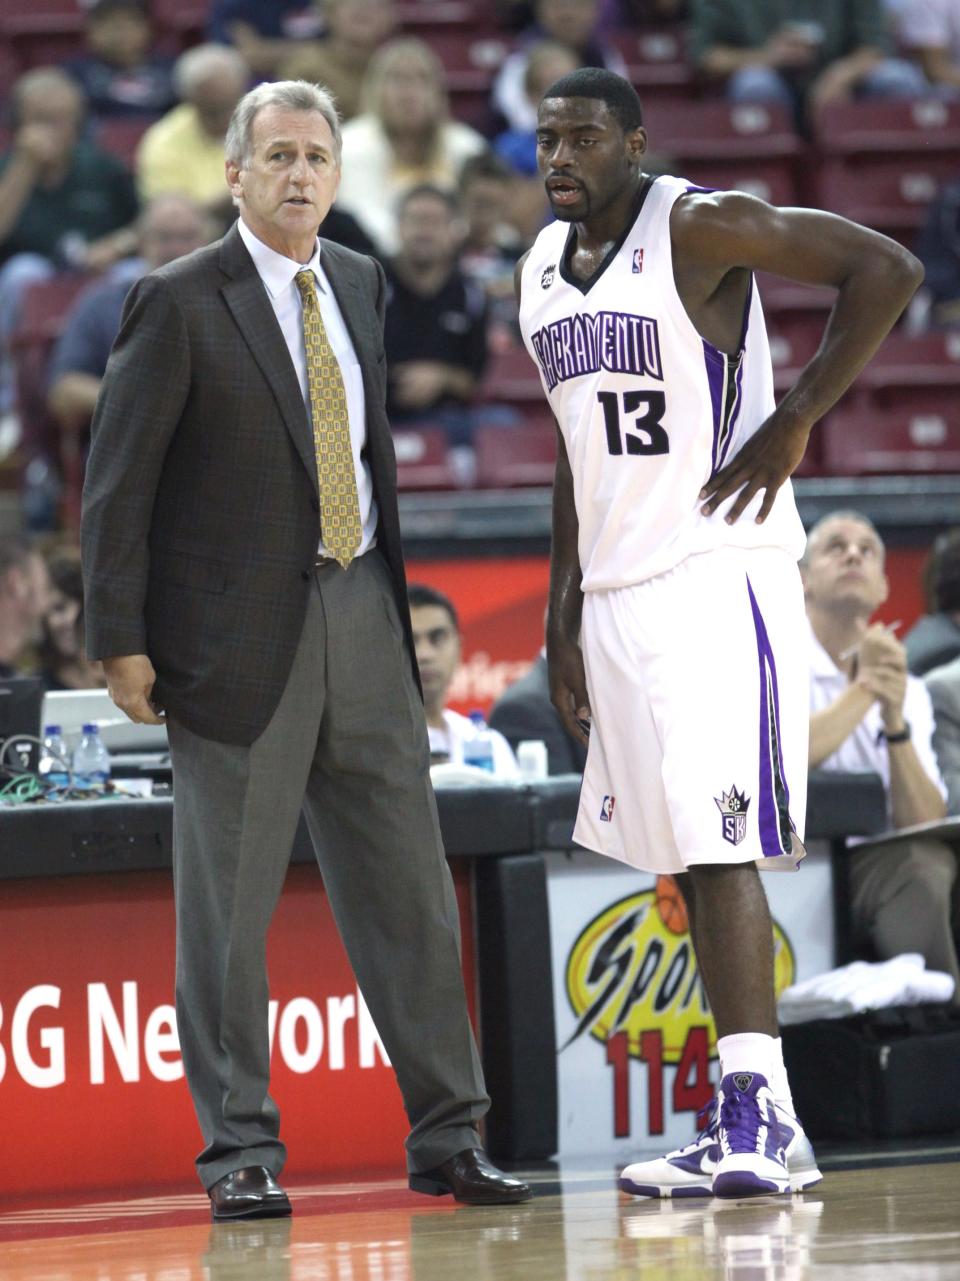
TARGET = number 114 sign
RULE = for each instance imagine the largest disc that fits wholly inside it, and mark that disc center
(636, 1038)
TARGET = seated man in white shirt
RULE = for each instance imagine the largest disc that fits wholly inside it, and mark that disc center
(436, 639)
(868, 713)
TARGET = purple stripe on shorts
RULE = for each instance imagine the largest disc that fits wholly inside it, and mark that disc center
(716, 363)
(774, 812)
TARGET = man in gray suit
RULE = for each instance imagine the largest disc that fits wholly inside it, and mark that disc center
(244, 575)
(943, 684)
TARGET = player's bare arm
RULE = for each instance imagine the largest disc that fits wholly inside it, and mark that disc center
(718, 238)
(568, 682)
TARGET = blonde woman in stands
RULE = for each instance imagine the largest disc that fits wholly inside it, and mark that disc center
(403, 138)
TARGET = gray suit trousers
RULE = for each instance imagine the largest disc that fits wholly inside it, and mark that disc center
(906, 898)
(347, 742)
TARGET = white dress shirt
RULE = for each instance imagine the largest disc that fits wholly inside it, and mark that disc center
(279, 279)
(866, 749)
(456, 732)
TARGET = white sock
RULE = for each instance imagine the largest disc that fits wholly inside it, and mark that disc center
(778, 1081)
(748, 1052)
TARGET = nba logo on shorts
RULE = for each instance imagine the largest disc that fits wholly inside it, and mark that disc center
(733, 806)
(606, 809)
(637, 261)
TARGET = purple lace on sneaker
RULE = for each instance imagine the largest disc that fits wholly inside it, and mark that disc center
(741, 1117)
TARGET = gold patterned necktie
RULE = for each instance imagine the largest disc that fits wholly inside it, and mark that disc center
(340, 525)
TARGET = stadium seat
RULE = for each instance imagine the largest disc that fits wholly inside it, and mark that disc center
(909, 363)
(863, 440)
(890, 194)
(888, 126)
(722, 131)
(656, 62)
(423, 459)
(772, 180)
(511, 376)
(508, 457)
(425, 17)
(471, 61)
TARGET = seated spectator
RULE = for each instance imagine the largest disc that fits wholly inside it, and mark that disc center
(930, 31)
(169, 227)
(547, 61)
(435, 331)
(572, 23)
(120, 74)
(62, 661)
(935, 638)
(525, 711)
(491, 244)
(183, 152)
(803, 53)
(355, 30)
(436, 641)
(867, 713)
(943, 685)
(64, 203)
(403, 138)
(24, 599)
(937, 303)
(264, 32)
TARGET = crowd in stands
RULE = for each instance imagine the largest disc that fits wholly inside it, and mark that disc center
(126, 102)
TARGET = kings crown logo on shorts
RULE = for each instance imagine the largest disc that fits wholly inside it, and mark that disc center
(733, 806)
(606, 809)
(546, 280)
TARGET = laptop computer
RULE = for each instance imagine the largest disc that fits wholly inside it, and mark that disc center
(20, 699)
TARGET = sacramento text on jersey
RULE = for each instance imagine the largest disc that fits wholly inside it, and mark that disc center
(584, 344)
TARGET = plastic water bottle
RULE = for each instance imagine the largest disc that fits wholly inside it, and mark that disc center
(478, 747)
(54, 757)
(91, 761)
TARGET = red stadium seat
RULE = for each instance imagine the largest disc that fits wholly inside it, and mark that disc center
(748, 146)
(511, 376)
(471, 61)
(425, 17)
(905, 362)
(508, 457)
(864, 440)
(656, 62)
(890, 194)
(888, 126)
(423, 460)
(722, 131)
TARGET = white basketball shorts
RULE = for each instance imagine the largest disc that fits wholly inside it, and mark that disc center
(699, 695)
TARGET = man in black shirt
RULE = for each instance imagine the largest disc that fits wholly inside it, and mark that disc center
(435, 333)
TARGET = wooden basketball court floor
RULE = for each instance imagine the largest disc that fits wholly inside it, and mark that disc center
(876, 1217)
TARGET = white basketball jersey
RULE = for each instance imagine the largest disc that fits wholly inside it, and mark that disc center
(649, 409)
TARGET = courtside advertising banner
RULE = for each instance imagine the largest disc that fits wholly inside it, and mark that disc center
(636, 1042)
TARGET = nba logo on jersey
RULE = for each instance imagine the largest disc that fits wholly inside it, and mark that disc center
(606, 809)
(733, 806)
(637, 261)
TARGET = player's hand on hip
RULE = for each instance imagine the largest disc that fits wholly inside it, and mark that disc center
(568, 687)
(764, 463)
(130, 681)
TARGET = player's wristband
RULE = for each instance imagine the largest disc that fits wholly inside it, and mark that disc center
(902, 737)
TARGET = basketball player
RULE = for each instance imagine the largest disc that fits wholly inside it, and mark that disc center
(676, 633)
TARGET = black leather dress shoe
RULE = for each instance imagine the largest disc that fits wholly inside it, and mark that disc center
(472, 1178)
(251, 1193)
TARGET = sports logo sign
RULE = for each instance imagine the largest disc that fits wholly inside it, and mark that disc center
(632, 983)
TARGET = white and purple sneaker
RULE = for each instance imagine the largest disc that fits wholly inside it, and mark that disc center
(688, 1171)
(752, 1160)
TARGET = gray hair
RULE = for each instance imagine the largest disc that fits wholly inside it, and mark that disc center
(197, 64)
(844, 514)
(295, 95)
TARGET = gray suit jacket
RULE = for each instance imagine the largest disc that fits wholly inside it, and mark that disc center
(201, 503)
(944, 686)
(525, 711)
